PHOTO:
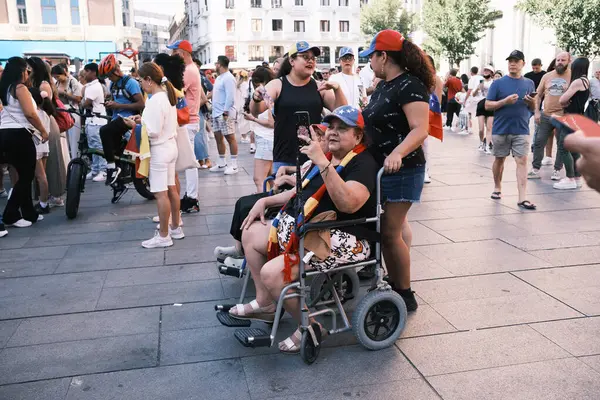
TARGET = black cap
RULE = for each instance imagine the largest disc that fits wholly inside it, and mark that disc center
(536, 61)
(517, 54)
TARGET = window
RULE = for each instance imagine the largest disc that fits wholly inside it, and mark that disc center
(229, 4)
(48, 12)
(299, 2)
(276, 52)
(22, 10)
(298, 26)
(126, 15)
(324, 26)
(256, 3)
(229, 53)
(276, 3)
(75, 12)
(344, 26)
(344, 3)
(230, 23)
(324, 58)
(364, 2)
(362, 60)
(255, 53)
(277, 25)
(325, 3)
(256, 24)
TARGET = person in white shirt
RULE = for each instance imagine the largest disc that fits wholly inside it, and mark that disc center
(94, 101)
(368, 80)
(472, 99)
(349, 82)
(159, 118)
(485, 118)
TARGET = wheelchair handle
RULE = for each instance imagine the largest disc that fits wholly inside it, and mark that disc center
(318, 226)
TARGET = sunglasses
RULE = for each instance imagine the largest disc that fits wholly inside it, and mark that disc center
(347, 58)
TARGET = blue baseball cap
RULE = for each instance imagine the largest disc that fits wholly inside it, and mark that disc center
(346, 51)
(348, 115)
(303, 47)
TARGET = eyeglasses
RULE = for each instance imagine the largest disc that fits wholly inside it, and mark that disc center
(307, 57)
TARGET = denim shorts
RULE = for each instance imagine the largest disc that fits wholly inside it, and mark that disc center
(404, 186)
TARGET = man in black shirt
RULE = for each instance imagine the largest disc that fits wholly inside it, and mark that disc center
(537, 73)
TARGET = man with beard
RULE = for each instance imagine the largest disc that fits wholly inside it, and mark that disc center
(551, 87)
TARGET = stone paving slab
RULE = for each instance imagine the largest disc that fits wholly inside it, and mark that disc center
(14, 269)
(577, 336)
(42, 390)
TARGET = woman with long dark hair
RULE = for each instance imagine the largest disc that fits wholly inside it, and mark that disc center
(574, 100)
(396, 123)
(18, 119)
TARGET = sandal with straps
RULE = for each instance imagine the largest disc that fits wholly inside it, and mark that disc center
(257, 314)
(292, 343)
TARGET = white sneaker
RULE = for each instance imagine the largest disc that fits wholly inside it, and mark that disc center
(3, 233)
(231, 170)
(176, 233)
(463, 133)
(218, 168)
(89, 176)
(427, 178)
(22, 223)
(565, 184)
(488, 150)
(555, 175)
(40, 217)
(534, 174)
(233, 262)
(56, 202)
(221, 253)
(579, 182)
(481, 146)
(101, 177)
(252, 148)
(158, 241)
(547, 161)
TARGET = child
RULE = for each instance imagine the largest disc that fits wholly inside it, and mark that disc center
(463, 116)
(45, 109)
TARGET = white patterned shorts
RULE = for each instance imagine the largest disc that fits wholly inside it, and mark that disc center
(264, 148)
(345, 248)
(225, 127)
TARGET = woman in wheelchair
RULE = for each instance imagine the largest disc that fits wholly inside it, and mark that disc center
(339, 185)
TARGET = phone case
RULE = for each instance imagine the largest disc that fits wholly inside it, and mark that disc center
(577, 122)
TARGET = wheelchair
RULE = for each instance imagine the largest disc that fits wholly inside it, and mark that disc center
(377, 321)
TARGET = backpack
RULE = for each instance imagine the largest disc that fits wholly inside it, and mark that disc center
(64, 120)
(119, 88)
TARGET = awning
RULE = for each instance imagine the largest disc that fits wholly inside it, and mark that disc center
(95, 50)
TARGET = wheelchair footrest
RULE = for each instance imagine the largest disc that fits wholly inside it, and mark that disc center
(253, 337)
(231, 271)
(228, 320)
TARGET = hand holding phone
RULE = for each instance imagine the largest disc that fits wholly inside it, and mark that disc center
(302, 124)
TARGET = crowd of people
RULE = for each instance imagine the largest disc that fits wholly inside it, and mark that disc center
(359, 120)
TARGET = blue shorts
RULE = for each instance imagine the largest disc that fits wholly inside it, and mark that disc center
(279, 164)
(404, 186)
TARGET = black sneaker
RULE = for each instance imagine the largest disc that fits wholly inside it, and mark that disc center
(189, 205)
(111, 175)
(408, 296)
(42, 210)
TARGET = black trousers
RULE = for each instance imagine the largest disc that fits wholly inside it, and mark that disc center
(111, 135)
(242, 207)
(452, 108)
(17, 149)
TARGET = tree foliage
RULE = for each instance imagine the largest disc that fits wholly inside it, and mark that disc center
(386, 14)
(454, 26)
(576, 23)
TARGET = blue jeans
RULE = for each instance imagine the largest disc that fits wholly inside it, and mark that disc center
(200, 146)
(94, 142)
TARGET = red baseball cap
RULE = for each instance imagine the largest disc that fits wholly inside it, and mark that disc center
(387, 40)
(181, 44)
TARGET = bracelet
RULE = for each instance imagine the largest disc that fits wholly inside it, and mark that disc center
(326, 168)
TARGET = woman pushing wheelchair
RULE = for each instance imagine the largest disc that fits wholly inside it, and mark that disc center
(338, 186)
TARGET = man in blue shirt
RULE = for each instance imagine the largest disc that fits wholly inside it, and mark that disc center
(509, 98)
(223, 116)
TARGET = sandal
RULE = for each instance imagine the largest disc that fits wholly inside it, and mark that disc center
(292, 343)
(257, 314)
(496, 195)
(526, 204)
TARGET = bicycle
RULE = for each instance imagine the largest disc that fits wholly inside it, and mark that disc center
(79, 167)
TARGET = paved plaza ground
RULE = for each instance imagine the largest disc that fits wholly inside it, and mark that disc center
(509, 301)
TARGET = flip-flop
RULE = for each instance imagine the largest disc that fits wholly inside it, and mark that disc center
(526, 204)
(496, 195)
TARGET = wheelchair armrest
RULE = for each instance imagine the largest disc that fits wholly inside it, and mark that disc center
(317, 226)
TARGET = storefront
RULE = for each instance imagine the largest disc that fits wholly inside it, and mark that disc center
(86, 51)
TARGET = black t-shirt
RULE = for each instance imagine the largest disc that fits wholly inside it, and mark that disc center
(362, 169)
(536, 77)
(386, 124)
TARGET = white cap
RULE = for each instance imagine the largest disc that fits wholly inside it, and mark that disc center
(489, 68)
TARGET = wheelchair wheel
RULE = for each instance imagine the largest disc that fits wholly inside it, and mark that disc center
(347, 290)
(75, 179)
(308, 351)
(142, 186)
(379, 319)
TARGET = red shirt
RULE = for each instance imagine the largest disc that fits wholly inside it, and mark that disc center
(454, 86)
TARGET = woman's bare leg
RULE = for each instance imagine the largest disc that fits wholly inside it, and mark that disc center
(173, 192)
(40, 176)
(164, 209)
(262, 169)
(254, 241)
(395, 249)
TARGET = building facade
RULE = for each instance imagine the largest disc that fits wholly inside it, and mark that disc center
(252, 31)
(155, 33)
(67, 29)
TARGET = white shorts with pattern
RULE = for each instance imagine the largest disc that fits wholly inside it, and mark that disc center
(224, 126)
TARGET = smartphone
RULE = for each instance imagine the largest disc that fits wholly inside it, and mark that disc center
(302, 126)
(532, 94)
(577, 122)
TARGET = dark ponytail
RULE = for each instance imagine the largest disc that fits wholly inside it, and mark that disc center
(285, 68)
(414, 60)
(153, 71)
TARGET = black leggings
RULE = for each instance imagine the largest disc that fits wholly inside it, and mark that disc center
(111, 135)
(242, 207)
(452, 108)
(17, 149)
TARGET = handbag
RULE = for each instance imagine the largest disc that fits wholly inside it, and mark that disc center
(186, 159)
(64, 120)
